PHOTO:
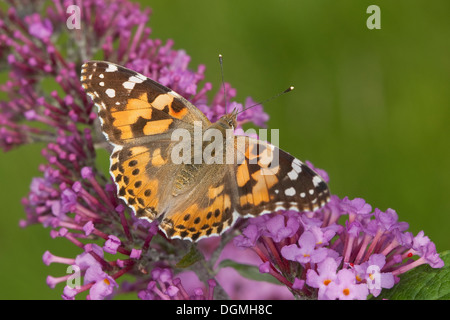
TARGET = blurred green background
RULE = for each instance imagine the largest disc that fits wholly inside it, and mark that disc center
(371, 107)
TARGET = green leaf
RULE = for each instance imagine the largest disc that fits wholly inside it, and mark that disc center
(248, 271)
(190, 258)
(422, 283)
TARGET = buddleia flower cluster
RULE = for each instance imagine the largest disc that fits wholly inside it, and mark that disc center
(310, 255)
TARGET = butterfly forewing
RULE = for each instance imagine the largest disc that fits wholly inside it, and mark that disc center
(132, 106)
(270, 179)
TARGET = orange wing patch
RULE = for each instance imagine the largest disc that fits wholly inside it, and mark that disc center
(139, 103)
(157, 126)
(175, 108)
(214, 192)
(260, 189)
(242, 174)
(157, 159)
(196, 222)
(127, 117)
(134, 186)
(178, 111)
(256, 176)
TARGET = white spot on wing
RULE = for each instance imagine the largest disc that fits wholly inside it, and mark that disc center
(138, 78)
(111, 93)
(128, 85)
(316, 180)
(111, 68)
(290, 192)
(293, 175)
(297, 165)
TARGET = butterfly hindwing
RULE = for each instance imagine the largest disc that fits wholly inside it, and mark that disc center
(206, 214)
(140, 174)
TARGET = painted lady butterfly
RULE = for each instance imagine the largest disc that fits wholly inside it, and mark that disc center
(191, 200)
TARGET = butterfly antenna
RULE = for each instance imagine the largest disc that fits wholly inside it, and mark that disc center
(223, 82)
(267, 100)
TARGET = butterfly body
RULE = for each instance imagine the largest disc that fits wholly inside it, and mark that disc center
(200, 182)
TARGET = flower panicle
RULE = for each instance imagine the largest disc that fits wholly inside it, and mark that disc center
(29, 45)
(72, 197)
(334, 261)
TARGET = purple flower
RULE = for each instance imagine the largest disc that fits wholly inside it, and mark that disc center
(41, 29)
(68, 200)
(251, 233)
(69, 293)
(389, 220)
(357, 206)
(103, 283)
(112, 244)
(344, 287)
(86, 260)
(306, 251)
(87, 173)
(425, 249)
(135, 254)
(279, 227)
(88, 228)
(102, 288)
(264, 267)
(371, 273)
(324, 235)
(431, 256)
(325, 274)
